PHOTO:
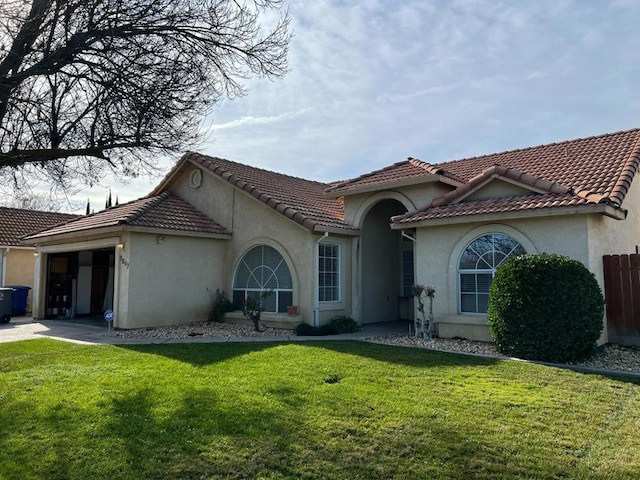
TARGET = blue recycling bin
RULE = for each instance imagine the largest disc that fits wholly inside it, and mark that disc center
(19, 299)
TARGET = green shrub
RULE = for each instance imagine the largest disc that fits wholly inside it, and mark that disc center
(545, 307)
(221, 305)
(305, 330)
(344, 324)
(338, 324)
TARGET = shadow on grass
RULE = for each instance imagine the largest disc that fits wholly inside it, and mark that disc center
(206, 434)
(166, 421)
(203, 354)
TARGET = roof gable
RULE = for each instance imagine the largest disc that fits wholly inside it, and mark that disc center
(302, 201)
(409, 172)
(498, 172)
(15, 223)
(165, 211)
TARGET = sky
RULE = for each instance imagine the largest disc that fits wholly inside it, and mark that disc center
(374, 82)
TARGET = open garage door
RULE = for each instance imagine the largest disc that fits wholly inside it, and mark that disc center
(79, 284)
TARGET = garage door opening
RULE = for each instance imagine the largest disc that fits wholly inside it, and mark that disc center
(79, 284)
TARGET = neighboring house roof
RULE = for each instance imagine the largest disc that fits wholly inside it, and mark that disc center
(586, 172)
(15, 223)
(166, 212)
(300, 200)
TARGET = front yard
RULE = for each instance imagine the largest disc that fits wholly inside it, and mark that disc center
(314, 410)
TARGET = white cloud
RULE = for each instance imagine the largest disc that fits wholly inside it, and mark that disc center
(250, 120)
(373, 82)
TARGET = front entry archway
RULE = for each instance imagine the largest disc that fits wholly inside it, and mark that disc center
(387, 265)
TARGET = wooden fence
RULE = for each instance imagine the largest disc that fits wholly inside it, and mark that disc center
(622, 293)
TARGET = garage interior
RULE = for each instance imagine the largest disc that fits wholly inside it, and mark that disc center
(79, 284)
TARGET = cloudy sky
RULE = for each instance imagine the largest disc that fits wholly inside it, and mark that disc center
(373, 82)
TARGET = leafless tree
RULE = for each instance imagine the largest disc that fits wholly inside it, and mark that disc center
(95, 86)
(34, 201)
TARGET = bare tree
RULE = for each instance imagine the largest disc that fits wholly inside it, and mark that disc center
(90, 86)
(34, 201)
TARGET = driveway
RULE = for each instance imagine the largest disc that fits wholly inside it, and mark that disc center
(26, 328)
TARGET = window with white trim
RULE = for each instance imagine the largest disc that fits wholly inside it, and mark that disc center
(477, 267)
(263, 269)
(328, 272)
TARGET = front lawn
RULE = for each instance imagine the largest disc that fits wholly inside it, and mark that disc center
(310, 410)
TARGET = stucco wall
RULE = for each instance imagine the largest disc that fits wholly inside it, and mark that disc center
(19, 270)
(615, 237)
(438, 251)
(608, 236)
(172, 280)
(412, 197)
(498, 188)
(254, 223)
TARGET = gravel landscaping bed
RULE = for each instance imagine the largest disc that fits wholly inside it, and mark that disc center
(607, 357)
(202, 329)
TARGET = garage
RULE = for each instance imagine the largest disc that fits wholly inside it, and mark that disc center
(79, 284)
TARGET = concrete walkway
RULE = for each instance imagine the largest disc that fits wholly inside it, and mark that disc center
(26, 328)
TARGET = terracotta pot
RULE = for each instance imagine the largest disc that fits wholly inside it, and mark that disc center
(292, 310)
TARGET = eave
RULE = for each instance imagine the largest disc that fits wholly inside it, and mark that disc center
(601, 208)
(405, 182)
(117, 229)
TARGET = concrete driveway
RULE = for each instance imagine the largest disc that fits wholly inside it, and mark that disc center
(26, 328)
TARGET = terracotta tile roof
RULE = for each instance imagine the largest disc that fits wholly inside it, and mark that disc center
(164, 211)
(15, 223)
(303, 201)
(494, 205)
(401, 172)
(585, 171)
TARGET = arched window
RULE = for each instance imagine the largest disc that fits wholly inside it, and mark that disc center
(262, 269)
(477, 267)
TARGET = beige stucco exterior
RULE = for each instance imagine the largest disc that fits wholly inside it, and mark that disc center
(254, 223)
(174, 279)
(582, 236)
(17, 268)
(168, 277)
(438, 253)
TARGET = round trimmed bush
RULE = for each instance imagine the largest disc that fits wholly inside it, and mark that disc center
(545, 307)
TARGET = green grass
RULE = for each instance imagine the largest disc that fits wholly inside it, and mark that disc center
(313, 410)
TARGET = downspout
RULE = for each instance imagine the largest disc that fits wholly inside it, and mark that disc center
(3, 270)
(37, 306)
(405, 235)
(316, 269)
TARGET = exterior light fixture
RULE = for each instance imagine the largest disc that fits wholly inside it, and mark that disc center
(120, 246)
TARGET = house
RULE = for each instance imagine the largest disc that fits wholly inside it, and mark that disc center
(353, 247)
(16, 260)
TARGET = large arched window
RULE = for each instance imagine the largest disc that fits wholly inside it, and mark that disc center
(477, 267)
(262, 269)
